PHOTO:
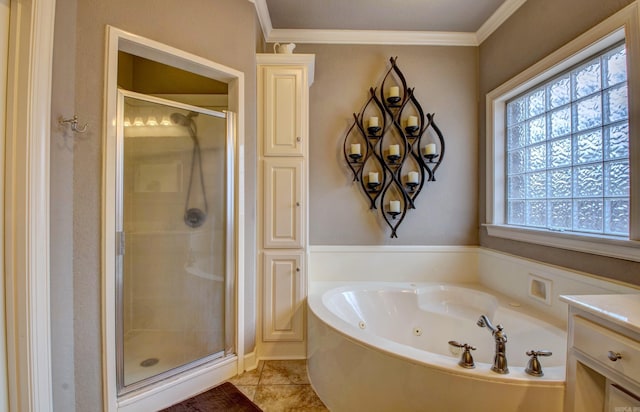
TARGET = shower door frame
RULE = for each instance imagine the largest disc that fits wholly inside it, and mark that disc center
(162, 394)
(229, 241)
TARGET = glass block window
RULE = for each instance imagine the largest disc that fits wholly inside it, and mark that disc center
(567, 160)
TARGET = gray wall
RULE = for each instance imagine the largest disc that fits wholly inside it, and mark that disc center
(538, 28)
(221, 30)
(62, 147)
(445, 81)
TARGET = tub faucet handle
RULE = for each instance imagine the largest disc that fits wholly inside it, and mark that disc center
(534, 368)
(466, 360)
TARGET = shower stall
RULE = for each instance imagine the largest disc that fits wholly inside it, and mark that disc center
(174, 238)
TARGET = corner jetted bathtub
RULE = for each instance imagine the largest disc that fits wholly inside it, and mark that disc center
(384, 347)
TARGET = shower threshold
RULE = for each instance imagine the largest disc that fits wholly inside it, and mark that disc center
(151, 356)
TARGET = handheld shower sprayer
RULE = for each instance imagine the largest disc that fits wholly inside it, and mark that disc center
(193, 217)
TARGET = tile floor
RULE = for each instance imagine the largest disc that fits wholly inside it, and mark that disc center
(280, 385)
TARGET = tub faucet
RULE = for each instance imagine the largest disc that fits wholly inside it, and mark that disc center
(500, 358)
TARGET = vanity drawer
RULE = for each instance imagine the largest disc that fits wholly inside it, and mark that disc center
(597, 342)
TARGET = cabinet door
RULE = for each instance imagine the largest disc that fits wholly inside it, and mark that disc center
(283, 291)
(283, 225)
(284, 100)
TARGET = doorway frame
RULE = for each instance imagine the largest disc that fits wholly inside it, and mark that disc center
(26, 205)
(165, 393)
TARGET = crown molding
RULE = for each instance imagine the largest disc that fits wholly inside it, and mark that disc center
(500, 16)
(422, 38)
(417, 38)
(263, 17)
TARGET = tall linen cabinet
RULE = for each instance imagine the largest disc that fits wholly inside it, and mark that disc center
(283, 153)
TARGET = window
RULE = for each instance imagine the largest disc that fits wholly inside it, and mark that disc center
(561, 148)
(567, 150)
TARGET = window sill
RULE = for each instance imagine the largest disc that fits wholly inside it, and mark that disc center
(603, 246)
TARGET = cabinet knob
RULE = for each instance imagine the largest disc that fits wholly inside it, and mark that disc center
(298, 270)
(298, 204)
(613, 356)
(298, 139)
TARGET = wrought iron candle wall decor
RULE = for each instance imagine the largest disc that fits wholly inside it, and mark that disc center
(389, 150)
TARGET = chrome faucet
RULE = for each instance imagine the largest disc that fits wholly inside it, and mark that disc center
(500, 358)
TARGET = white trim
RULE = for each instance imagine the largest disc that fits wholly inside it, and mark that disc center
(500, 16)
(417, 38)
(263, 16)
(251, 361)
(399, 37)
(27, 205)
(5, 18)
(624, 24)
(119, 40)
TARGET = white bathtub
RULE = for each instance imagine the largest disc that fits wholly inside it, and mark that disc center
(384, 347)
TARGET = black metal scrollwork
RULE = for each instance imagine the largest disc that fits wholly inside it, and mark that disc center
(393, 158)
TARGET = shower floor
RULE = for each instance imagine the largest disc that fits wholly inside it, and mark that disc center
(171, 349)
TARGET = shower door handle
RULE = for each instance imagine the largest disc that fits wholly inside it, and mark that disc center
(120, 243)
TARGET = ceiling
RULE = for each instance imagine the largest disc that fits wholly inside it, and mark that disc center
(428, 22)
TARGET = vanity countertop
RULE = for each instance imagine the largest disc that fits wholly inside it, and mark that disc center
(622, 309)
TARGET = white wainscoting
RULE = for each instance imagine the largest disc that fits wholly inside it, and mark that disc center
(510, 274)
(394, 263)
(506, 274)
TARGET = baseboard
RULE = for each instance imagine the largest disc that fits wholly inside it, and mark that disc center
(282, 350)
(250, 361)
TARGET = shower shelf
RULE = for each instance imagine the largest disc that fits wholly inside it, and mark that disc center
(367, 148)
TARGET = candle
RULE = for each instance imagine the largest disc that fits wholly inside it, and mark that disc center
(373, 121)
(429, 149)
(394, 150)
(413, 177)
(373, 177)
(412, 121)
(394, 206)
(394, 91)
(355, 148)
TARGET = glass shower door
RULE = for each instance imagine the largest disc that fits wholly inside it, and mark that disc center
(174, 220)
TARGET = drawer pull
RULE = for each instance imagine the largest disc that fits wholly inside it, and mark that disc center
(613, 356)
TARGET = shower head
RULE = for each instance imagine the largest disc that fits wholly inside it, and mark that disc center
(182, 120)
(186, 121)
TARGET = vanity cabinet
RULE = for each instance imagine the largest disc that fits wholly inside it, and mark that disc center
(283, 132)
(603, 357)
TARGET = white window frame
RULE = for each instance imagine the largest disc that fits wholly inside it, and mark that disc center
(624, 25)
